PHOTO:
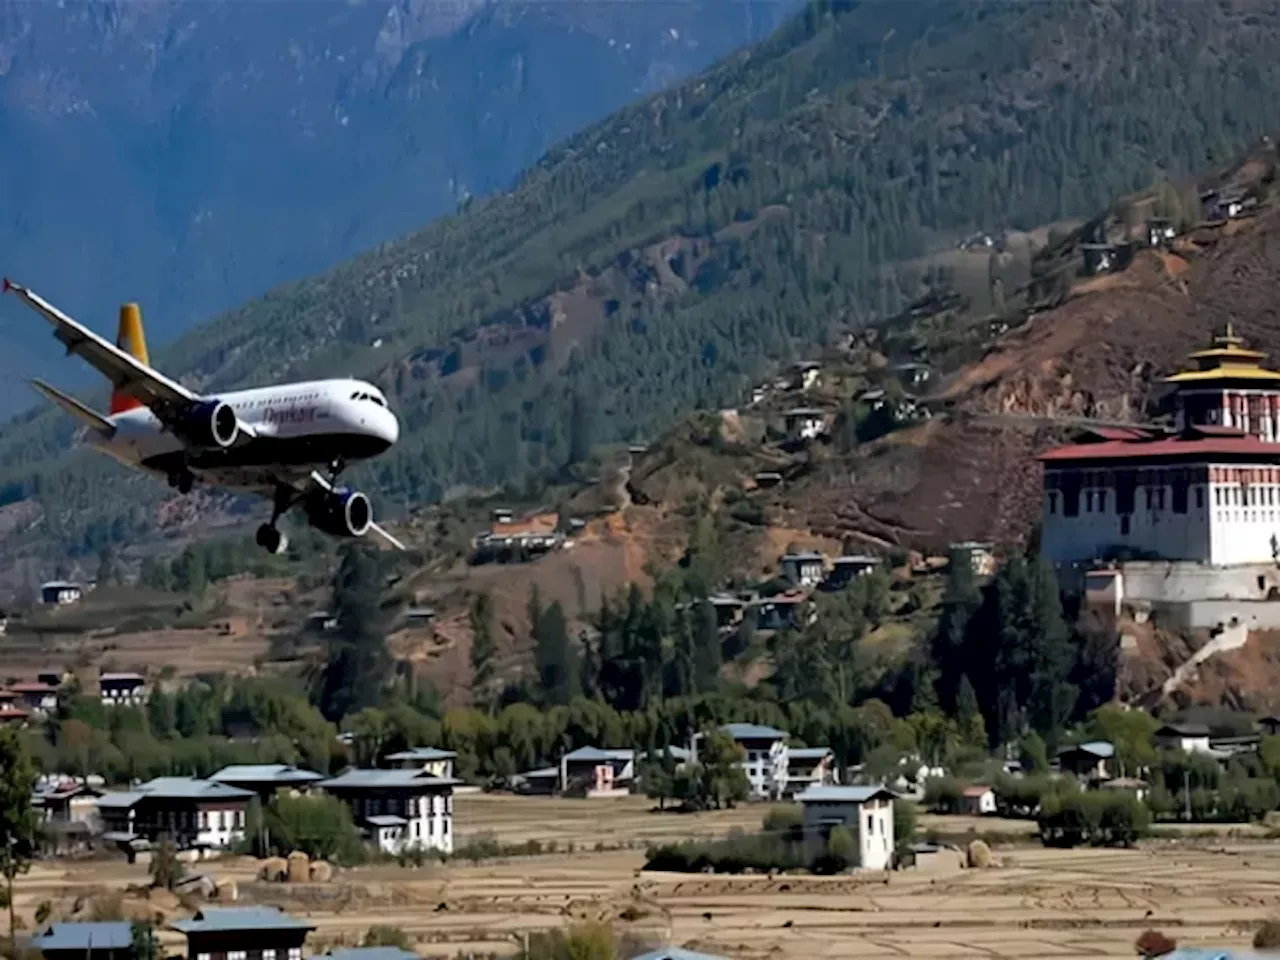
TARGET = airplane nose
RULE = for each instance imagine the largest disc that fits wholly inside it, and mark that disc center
(390, 428)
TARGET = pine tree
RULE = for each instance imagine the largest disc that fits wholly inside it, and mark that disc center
(553, 655)
(482, 648)
(358, 664)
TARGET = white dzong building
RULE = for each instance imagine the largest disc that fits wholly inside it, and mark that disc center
(1206, 492)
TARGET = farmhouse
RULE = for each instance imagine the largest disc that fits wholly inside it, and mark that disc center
(1187, 737)
(400, 809)
(807, 766)
(977, 800)
(244, 933)
(804, 423)
(438, 763)
(267, 779)
(195, 814)
(112, 940)
(598, 773)
(804, 569)
(60, 592)
(1090, 760)
(867, 812)
(766, 757)
(846, 569)
(36, 698)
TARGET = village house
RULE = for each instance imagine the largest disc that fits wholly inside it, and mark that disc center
(728, 609)
(765, 757)
(913, 374)
(598, 773)
(60, 592)
(1160, 232)
(804, 423)
(980, 556)
(66, 801)
(846, 569)
(805, 569)
(267, 779)
(244, 933)
(977, 800)
(805, 375)
(195, 814)
(399, 809)
(1269, 726)
(438, 763)
(1187, 737)
(807, 767)
(543, 782)
(13, 715)
(781, 611)
(512, 541)
(1091, 760)
(103, 940)
(866, 812)
(123, 689)
(38, 699)
(768, 479)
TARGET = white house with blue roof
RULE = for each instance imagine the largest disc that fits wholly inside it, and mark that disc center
(368, 953)
(244, 933)
(766, 757)
(399, 809)
(1091, 760)
(600, 773)
(195, 814)
(866, 812)
(102, 940)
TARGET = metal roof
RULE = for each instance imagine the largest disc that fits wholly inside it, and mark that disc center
(676, 953)
(122, 799)
(1102, 749)
(190, 788)
(385, 779)
(422, 753)
(809, 753)
(121, 678)
(370, 953)
(588, 754)
(753, 731)
(816, 794)
(265, 773)
(212, 919)
(386, 820)
(109, 935)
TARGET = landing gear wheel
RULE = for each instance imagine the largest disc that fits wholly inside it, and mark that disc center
(271, 540)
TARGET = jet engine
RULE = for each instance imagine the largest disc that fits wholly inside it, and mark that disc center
(209, 424)
(340, 513)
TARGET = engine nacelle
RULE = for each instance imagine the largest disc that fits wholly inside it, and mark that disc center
(209, 424)
(342, 513)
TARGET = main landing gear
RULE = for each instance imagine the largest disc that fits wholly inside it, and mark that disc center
(182, 481)
(269, 537)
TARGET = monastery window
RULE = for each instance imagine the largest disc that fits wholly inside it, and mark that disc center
(1088, 501)
(1199, 498)
(1053, 501)
(1160, 499)
(1149, 496)
(1179, 498)
(1124, 524)
(1102, 501)
(1071, 502)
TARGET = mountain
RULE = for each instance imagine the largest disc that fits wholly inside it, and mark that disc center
(191, 155)
(663, 259)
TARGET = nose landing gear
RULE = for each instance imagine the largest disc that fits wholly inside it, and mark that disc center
(182, 481)
(269, 537)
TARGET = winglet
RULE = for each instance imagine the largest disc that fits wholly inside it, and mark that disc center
(7, 285)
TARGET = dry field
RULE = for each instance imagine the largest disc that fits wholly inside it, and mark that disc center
(1036, 904)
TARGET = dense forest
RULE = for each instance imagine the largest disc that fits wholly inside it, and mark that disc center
(786, 178)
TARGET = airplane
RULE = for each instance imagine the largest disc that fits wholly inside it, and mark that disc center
(270, 441)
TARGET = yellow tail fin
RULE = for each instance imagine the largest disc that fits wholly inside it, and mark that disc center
(130, 339)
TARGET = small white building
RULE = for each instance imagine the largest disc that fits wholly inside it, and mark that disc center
(765, 763)
(60, 592)
(196, 814)
(1187, 737)
(866, 812)
(600, 773)
(804, 423)
(978, 800)
(400, 809)
(123, 689)
(804, 569)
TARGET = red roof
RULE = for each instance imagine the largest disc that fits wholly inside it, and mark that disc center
(1205, 446)
(30, 686)
(977, 790)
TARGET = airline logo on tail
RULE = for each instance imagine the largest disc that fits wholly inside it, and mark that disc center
(129, 338)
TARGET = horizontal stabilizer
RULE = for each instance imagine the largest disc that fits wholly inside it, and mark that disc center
(95, 420)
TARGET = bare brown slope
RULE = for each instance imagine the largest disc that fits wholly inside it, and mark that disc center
(1102, 354)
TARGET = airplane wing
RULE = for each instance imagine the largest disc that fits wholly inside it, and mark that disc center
(320, 480)
(264, 483)
(127, 374)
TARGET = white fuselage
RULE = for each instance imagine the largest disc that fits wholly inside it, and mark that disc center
(295, 424)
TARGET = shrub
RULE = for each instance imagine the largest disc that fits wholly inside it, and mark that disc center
(1098, 818)
(840, 855)
(734, 854)
(1153, 943)
(785, 822)
(1268, 935)
(904, 823)
(584, 941)
(385, 935)
(943, 794)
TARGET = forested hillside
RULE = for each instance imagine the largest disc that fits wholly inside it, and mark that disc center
(657, 261)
